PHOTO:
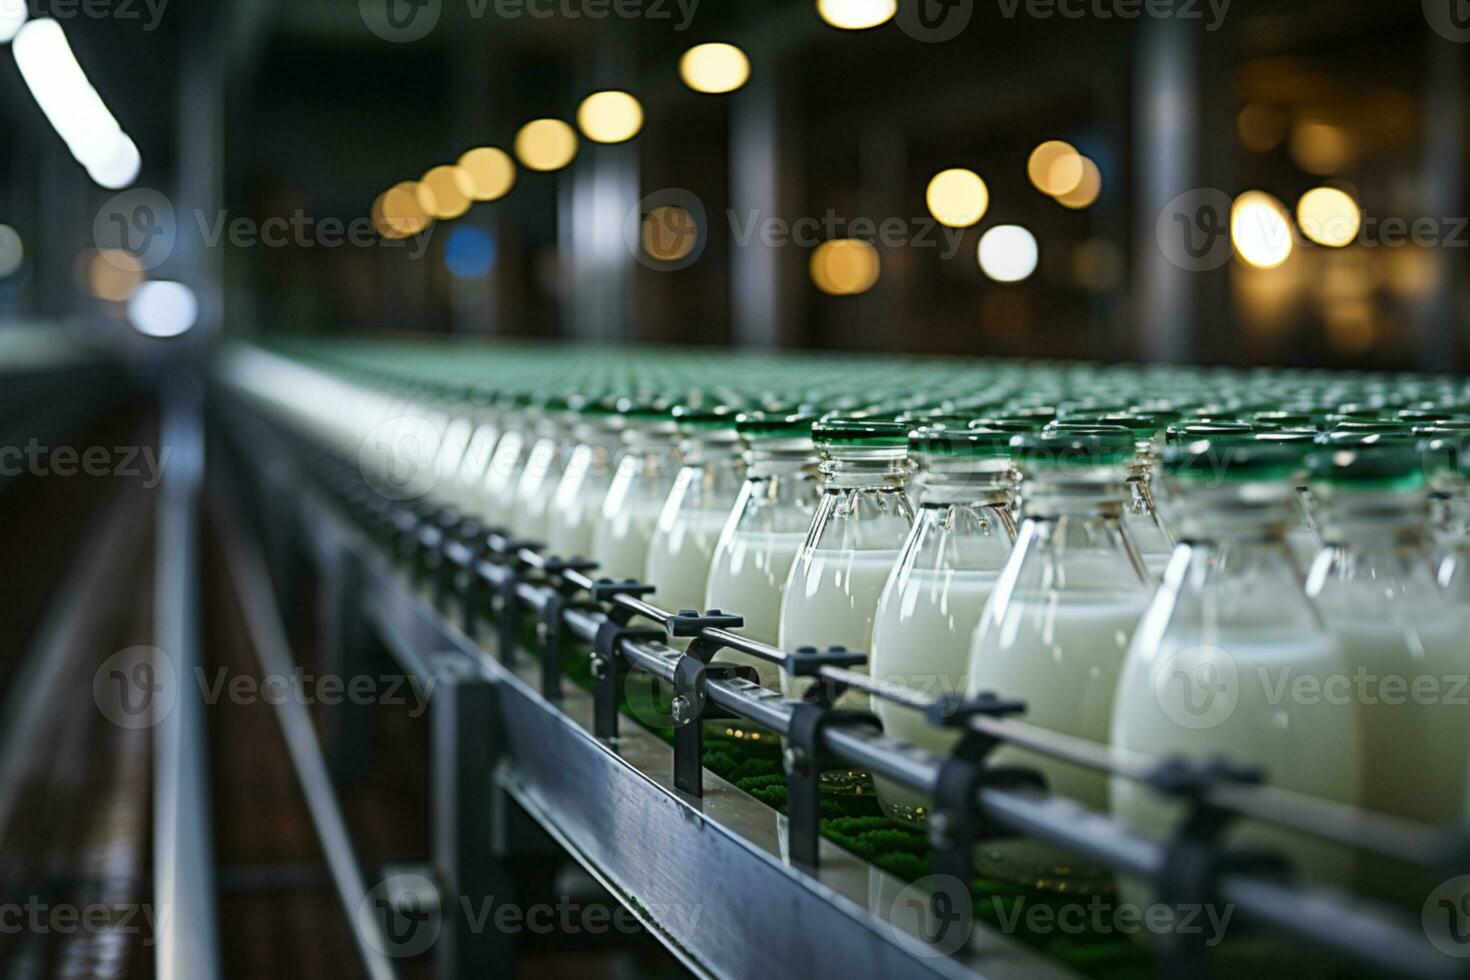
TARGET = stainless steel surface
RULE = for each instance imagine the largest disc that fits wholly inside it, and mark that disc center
(710, 875)
(183, 845)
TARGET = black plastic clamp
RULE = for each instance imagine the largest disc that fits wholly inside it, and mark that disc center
(608, 671)
(508, 614)
(803, 759)
(555, 566)
(1196, 857)
(690, 705)
(953, 822)
(465, 556)
(604, 589)
(809, 661)
(552, 634)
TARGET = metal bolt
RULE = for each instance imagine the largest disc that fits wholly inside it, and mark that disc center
(682, 710)
(543, 633)
(599, 667)
(795, 759)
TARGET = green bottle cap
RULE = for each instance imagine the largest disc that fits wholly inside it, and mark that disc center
(873, 433)
(1233, 460)
(1065, 449)
(1368, 467)
(972, 443)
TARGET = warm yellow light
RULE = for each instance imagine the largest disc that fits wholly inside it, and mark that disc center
(114, 274)
(1260, 230)
(856, 15)
(546, 144)
(1087, 189)
(845, 267)
(444, 192)
(1328, 216)
(1260, 127)
(714, 68)
(489, 173)
(1055, 167)
(610, 117)
(669, 233)
(398, 213)
(1321, 148)
(957, 198)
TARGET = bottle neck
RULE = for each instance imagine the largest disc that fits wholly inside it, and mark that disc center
(865, 469)
(1053, 496)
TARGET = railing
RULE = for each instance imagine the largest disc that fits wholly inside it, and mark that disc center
(472, 568)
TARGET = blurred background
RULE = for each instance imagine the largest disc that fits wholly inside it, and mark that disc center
(1222, 181)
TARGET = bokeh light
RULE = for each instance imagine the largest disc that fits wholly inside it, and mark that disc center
(714, 68)
(469, 252)
(489, 173)
(669, 233)
(1260, 230)
(163, 309)
(114, 274)
(12, 252)
(1328, 216)
(957, 198)
(1055, 167)
(443, 192)
(1086, 191)
(1008, 253)
(610, 117)
(545, 145)
(845, 267)
(398, 213)
(856, 15)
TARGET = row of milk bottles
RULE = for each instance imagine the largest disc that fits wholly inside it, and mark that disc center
(1279, 597)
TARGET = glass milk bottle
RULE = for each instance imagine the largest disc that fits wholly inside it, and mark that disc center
(639, 487)
(698, 506)
(470, 475)
(545, 463)
(576, 505)
(1229, 625)
(1446, 458)
(946, 570)
(765, 529)
(861, 522)
(1056, 628)
(1403, 637)
(497, 489)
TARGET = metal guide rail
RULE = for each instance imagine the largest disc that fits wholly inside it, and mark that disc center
(468, 568)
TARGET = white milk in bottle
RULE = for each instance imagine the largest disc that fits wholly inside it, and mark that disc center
(861, 521)
(1056, 628)
(947, 568)
(576, 505)
(1404, 639)
(638, 490)
(766, 528)
(1230, 626)
(698, 506)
